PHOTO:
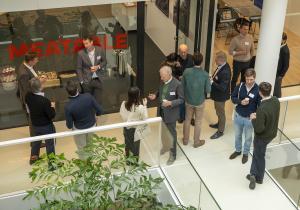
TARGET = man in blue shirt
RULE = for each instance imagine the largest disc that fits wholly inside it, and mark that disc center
(80, 113)
(246, 97)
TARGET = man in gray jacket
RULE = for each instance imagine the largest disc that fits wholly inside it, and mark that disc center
(170, 96)
(90, 62)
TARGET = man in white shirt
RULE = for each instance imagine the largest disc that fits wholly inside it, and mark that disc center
(91, 62)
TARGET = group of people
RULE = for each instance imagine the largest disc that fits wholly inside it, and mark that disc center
(256, 110)
(181, 97)
(84, 98)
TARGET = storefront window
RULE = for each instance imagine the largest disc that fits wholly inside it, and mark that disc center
(56, 35)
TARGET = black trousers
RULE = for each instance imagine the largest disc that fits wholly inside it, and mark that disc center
(94, 87)
(130, 144)
(239, 68)
(43, 130)
(258, 160)
(277, 87)
(31, 132)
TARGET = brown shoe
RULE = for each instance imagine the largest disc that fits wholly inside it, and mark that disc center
(185, 142)
(199, 143)
(33, 159)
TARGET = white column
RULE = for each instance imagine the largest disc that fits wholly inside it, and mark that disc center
(271, 28)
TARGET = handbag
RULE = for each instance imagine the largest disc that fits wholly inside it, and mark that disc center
(141, 132)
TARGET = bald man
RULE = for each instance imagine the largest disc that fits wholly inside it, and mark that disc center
(170, 96)
(185, 60)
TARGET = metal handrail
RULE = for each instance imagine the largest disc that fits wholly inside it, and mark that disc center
(77, 132)
(289, 98)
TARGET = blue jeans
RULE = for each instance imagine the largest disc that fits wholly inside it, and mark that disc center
(242, 125)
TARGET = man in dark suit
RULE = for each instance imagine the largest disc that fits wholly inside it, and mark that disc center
(283, 65)
(220, 92)
(90, 62)
(42, 112)
(24, 74)
(80, 113)
(170, 96)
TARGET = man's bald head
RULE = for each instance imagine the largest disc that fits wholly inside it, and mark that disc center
(183, 51)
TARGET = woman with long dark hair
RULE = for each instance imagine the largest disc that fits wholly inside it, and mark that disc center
(133, 109)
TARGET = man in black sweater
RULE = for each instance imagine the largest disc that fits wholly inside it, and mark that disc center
(80, 114)
(265, 124)
(42, 112)
(246, 97)
(220, 91)
(283, 65)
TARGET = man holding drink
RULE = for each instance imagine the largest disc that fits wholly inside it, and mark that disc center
(246, 97)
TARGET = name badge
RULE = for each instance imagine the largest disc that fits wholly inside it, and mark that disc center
(172, 93)
(246, 43)
(251, 95)
(98, 57)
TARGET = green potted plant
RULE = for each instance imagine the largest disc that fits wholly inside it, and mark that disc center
(105, 180)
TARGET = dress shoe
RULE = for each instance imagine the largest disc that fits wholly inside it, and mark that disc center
(217, 134)
(257, 181)
(180, 121)
(234, 155)
(193, 122)
(245, 159)
(199, 143)
(252, 182)
(33, 159)
(214, 125)
(171, 160)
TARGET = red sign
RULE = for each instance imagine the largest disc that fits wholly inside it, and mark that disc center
(64, 46)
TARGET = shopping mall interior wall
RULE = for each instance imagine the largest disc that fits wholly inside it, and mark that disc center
(17, 5)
